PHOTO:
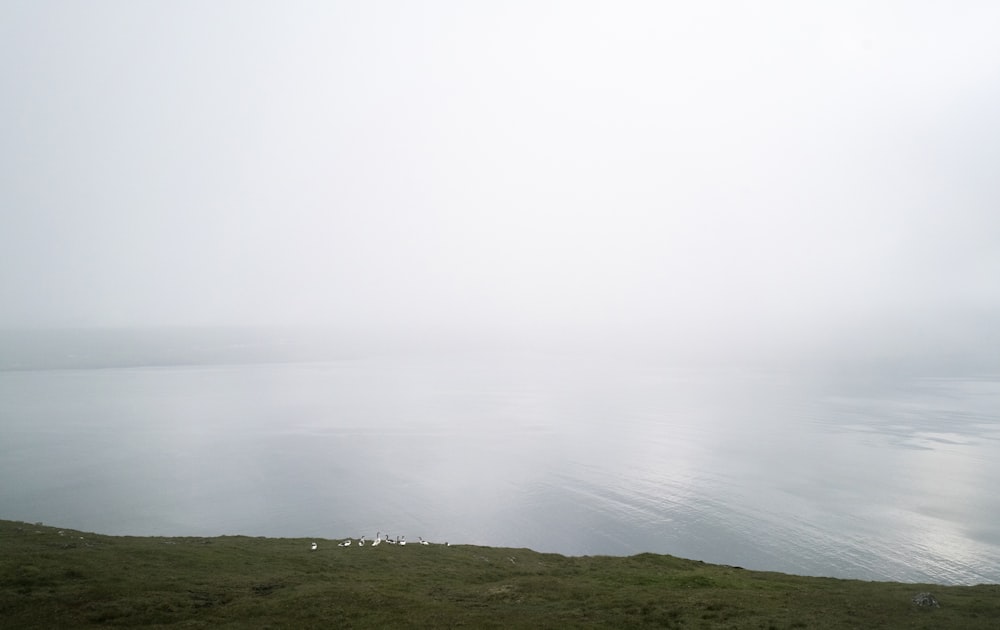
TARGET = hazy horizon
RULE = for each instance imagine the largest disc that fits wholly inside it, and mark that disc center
(786, 179)
(714, 279)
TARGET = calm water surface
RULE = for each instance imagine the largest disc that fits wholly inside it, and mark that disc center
(894, 480)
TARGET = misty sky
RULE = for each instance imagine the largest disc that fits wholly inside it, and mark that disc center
(800, 171)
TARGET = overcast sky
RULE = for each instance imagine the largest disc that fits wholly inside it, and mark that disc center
(792, 170)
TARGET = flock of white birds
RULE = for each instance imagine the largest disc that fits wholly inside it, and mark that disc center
(379, 539)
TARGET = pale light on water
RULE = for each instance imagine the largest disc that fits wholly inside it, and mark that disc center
(275, 280)
(603, 456)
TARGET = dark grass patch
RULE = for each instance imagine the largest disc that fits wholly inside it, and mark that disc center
(52, 578)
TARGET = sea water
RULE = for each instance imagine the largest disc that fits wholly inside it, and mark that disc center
(890, 479)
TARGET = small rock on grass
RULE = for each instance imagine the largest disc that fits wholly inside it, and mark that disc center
(926, 599)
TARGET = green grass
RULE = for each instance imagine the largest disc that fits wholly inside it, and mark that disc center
(51, 578)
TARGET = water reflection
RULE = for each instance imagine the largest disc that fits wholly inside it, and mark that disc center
(748, 468)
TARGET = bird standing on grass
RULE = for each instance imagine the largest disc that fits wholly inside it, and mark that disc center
(346, 543)
(314, 546)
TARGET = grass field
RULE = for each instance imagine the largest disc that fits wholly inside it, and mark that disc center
(52, 578)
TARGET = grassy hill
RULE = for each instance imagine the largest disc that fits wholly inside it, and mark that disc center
(52, 578)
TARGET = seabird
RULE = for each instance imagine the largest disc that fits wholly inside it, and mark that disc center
(422, 541)
(361, 543)
(314, 545)
(346, 543)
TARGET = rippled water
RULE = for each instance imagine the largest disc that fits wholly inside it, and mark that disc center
(766, 470)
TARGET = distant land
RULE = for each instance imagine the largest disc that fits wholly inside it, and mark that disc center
(86, 348)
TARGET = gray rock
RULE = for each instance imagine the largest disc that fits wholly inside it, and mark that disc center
(925, 599)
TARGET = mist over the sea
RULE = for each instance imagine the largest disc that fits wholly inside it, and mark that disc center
(705, 277)
(712, 178)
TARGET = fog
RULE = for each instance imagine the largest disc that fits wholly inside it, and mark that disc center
(772, 178)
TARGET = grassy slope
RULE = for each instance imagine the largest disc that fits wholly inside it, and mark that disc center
(53, 579)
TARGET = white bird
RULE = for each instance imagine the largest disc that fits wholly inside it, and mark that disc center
(422, 541)
(314, 545)
(346, 543)
(361, 543)
(377, 540)
(390, 540)
(403, 541)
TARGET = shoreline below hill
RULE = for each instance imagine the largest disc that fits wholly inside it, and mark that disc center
(52, 577)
